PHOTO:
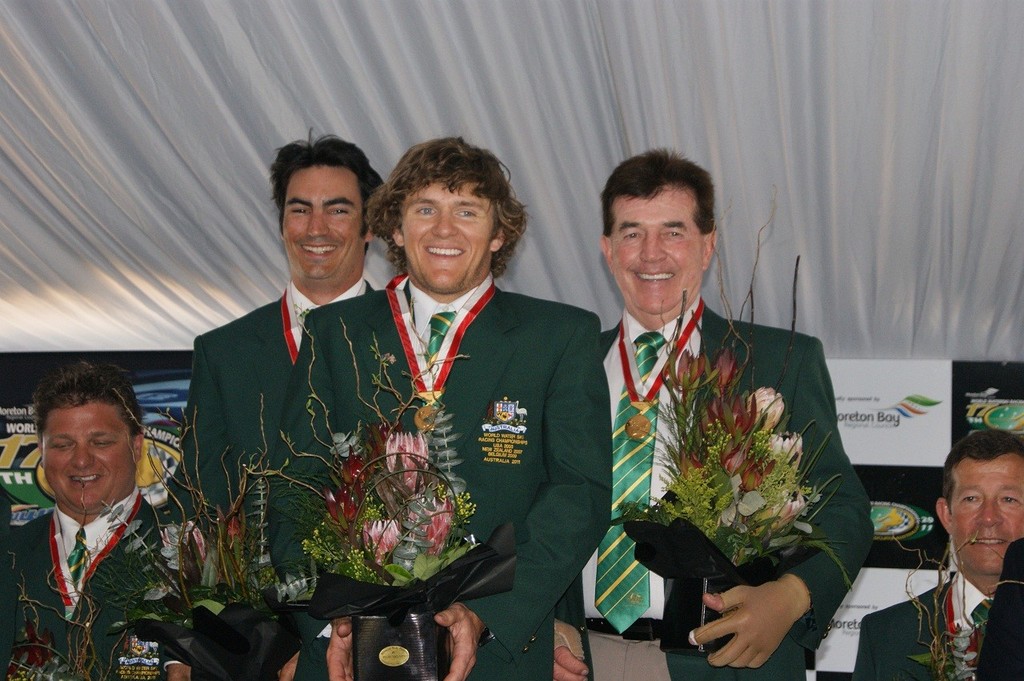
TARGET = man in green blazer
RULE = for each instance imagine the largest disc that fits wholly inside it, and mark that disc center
(524, 391)
(90, 437)
(982, 508)
(659, 238)
(240, 370)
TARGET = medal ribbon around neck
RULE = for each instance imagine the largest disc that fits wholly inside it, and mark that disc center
(289, 339)
(628, 358)
(972, 646)
(429, 381)
(63, 576)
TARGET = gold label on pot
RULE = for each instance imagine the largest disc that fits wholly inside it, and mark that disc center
(393, 656)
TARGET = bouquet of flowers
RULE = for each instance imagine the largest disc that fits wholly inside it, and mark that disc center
(738, 507)
(396, 512)
(196, 586)
(390, 531)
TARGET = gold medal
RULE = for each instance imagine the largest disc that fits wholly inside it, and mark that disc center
(638, 426)
(424, 418)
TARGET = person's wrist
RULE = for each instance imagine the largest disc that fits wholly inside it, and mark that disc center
(799, 595)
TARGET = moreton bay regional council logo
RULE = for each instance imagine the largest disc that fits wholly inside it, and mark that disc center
(900, 522)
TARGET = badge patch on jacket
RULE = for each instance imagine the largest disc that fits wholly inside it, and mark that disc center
(504, 432)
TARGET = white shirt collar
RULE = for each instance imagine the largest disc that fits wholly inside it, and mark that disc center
(635, 328)
(97, 531)
(424, 307)
(298, 304)
(966, 597)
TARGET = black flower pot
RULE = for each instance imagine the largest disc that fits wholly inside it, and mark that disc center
(415, 649)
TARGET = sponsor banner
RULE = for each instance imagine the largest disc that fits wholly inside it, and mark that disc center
(874, 589)
(893, 412)
(988, 395)
(161, 384)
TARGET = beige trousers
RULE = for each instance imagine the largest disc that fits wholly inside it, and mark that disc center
(618, 660)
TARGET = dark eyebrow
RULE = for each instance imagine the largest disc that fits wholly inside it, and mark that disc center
(675, 224)
(338, 201)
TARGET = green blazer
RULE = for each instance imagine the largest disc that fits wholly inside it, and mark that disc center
(239, 375)
(554, 486)
(795, 366)
(889, 636)
(33, 568)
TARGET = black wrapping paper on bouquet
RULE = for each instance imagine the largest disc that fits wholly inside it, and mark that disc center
(487, 569)
(238, 643)
(692, 566)
(394, 634)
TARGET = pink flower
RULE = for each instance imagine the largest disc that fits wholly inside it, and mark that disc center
(381, 537)
(790, 511)
(406, 453)
(770, 407)
(789, 444)
(440, 525)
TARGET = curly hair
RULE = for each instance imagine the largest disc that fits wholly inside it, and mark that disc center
(455, 164)
(80, 383)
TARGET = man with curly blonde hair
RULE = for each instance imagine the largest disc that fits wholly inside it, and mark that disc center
(521, 378)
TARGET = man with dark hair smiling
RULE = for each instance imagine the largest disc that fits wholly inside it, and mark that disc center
(982, 508)
(451, 222)
(658, 239)
(240, 370)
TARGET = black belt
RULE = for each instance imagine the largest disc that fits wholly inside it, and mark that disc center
(644, 629)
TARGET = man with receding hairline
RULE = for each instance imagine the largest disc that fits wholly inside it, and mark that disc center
(659, 236)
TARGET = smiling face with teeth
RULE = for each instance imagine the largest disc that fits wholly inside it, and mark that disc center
(983, 514)
(89, 458)
(448, 239)
(656, 252)
(322, 228)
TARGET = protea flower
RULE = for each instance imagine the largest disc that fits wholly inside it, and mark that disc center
(687, 370)
(753, 473)
(789, 444)
(440, 525)
(342, 504)
(381, 537)
(406, 453)
(770, 407)
(727, 369)
(790, 511)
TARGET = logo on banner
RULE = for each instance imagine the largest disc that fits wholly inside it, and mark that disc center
(911, 406)
(900, 522)
(985, 410)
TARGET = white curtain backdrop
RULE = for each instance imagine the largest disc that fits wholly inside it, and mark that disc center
(880, 141)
